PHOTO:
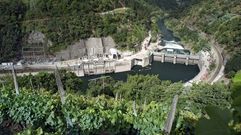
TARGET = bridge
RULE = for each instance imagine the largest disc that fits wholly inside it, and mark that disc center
(178, 58)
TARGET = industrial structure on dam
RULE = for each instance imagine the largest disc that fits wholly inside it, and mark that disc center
(98, 56)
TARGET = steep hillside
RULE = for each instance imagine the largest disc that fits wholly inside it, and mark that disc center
(219, 20)
(66, 21)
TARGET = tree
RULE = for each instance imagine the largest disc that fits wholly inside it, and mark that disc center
(47, 81)
(233, 65)
(148, 88)
(12, 13)
(223, 121)
(101, 86)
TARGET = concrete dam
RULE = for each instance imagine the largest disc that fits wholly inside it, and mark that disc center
(100, 66)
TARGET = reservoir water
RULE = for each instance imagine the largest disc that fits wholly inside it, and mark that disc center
(165, 71)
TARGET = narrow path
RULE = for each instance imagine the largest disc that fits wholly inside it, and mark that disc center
(220, 64)
(117, 10)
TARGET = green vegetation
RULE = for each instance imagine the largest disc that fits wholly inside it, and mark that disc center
(106, 106)
(142, 103)
(12, 12)
(148, 88)
(229, 120)
(233, 65)
(188, 35)
(236, 84)
(68, 21)
(65, 22)
(220, 20)
(47, 81)
(237, 80)
(88, 115)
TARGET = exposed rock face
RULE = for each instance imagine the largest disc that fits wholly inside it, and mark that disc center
(94, 46)
(108, 43)
(37, 37)
(37, 44)
(88, 47)
(74, 51)
(35, 47)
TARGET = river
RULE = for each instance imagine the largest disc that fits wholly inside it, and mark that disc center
(165, 71)
(166, 33)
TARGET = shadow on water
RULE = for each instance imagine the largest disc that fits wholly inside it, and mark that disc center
(165, 71)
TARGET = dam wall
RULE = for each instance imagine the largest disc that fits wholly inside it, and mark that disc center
(116, 66)
(177, 58)
(103, 66)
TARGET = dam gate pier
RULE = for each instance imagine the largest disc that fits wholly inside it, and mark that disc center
(85, 68)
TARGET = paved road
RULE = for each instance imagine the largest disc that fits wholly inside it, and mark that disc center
(218, 71)
(220, 64)
(216, 49)
(219, 58)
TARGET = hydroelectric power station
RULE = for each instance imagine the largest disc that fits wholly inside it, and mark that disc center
(174, 54)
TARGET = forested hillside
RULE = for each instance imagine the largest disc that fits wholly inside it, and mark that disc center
(172, 5)
(219, 20)
(139, 106)
(66, 21)
(127, 21)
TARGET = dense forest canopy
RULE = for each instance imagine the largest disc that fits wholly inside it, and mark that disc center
(12, 13)
(67, 21)
(219, 20)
